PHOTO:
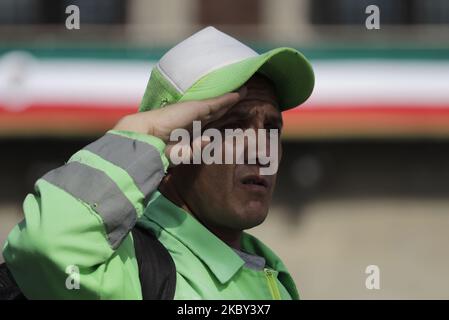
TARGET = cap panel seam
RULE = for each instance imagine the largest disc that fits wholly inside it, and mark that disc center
(170, 80)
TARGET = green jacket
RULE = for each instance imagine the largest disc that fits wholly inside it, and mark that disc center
(81, 214)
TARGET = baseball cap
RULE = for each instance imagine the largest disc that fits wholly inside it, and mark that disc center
(211, 63)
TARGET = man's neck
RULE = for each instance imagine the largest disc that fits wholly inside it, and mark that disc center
(230, 237)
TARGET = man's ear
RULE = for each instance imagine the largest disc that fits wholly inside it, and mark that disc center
(166, 179)
(171, 173)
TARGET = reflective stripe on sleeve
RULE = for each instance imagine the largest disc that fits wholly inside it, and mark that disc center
(101, 193)
(140, 160)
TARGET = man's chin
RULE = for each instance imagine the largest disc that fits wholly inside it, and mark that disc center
(253, 214)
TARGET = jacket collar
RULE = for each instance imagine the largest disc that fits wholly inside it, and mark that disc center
(221, 259)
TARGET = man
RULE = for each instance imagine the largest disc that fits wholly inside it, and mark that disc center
(77, 223)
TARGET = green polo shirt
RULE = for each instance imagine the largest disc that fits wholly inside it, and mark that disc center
(206, 267)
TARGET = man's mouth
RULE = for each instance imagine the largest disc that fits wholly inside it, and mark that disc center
(255, 182)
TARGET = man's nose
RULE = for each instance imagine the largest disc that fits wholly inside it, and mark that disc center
(259, 148)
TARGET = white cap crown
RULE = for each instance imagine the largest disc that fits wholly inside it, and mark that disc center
(205, 51)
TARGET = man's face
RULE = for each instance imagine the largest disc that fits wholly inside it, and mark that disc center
(234, 196)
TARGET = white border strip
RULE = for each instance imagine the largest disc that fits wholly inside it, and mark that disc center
(24, 80)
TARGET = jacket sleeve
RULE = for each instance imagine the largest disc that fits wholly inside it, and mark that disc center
(74, 242)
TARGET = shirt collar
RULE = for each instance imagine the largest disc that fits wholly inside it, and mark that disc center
(253, 246)
(221, 260)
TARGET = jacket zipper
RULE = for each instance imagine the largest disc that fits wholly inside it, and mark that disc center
(271, 278)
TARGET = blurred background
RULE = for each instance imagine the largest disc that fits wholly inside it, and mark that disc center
(365, 174)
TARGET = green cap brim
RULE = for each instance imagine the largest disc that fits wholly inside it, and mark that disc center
(290, 72)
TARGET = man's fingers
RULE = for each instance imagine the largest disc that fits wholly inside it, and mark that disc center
(214, 108)
(161, 122)
(226, 100)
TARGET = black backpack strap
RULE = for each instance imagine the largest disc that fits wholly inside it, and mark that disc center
(8, 286)
(157, 271)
